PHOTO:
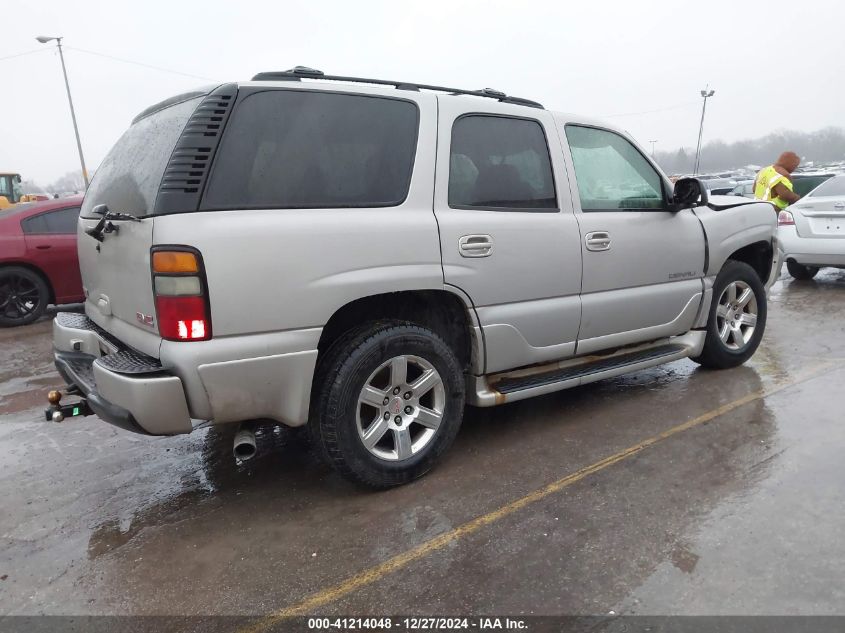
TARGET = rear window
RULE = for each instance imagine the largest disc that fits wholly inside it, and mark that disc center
(297, 149)
(15, 209)
(831, 187)
(128, 179)
(802, 185)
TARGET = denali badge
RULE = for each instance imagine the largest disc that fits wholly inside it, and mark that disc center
(146, 319)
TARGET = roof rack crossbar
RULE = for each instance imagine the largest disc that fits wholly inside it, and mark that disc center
(300, 72)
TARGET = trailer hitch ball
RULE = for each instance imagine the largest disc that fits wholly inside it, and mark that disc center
(54, 397)
(58, 416)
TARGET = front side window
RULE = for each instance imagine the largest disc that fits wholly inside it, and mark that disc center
(62, 221)
(612, 174)
(288, 149)
(500, 163)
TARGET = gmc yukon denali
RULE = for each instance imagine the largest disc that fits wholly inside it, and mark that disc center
(365, 257)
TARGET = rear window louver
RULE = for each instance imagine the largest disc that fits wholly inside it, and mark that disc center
(187, 170)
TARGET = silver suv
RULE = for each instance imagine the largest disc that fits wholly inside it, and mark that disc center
(364, 257)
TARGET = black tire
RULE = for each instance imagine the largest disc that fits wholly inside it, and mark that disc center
(800, 271)
(341, 377)
(718, 354)
(24, 296)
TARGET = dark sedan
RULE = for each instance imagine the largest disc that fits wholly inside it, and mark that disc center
(38, 260)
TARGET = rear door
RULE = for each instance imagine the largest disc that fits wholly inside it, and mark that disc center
(51, 240)
(116, 271)
(643, 264)
(508, 235)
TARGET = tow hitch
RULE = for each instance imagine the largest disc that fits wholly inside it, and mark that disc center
(57, 411)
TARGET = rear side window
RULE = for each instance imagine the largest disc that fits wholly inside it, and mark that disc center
(62, 221)
(500, 163)
(287, 149)
(128, 179)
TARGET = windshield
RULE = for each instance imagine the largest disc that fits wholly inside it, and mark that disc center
(831, 187)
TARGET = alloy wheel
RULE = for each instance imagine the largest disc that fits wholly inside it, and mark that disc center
(400, 408)
(736, 315)
(19, 297)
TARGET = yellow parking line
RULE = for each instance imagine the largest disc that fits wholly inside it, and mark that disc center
(377, 572)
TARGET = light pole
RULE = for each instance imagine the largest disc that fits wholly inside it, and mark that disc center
(705, 94)
(652, 147)
(43, 39)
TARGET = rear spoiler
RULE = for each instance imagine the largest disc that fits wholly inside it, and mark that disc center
(180, 98)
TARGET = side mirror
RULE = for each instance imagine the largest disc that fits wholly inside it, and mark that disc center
(688, 193)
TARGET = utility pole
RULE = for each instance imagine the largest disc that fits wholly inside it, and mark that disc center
(652, 147)
(43, 39)
(705, 94)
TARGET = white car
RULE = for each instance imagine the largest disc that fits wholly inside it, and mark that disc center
(811, 232)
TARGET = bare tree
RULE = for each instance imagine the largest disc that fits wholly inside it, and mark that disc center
(823, 145)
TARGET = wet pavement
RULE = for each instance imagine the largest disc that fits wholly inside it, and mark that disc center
(739, 512)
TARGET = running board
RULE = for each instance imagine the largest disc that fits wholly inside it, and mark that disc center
(486, 391)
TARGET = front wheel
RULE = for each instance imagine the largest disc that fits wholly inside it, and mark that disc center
(800, 271)
(737, 317)
(389, 402)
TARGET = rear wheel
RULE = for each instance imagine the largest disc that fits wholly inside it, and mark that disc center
(389, 402)
(23, 296)
(737, 317)
(800, 271)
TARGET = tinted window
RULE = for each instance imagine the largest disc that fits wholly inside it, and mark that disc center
(297, 149)
(128, 179)
(612, 174)
(61, 221)
(500, 163)
(802, 185)
(831, 187)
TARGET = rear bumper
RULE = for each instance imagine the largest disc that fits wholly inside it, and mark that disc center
(811, 251)
(224, 380)
(122, 386)
(77, 369)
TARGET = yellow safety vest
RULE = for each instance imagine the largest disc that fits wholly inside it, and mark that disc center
(766, 180)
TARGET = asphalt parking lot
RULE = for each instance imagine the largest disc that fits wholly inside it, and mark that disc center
(670, 491)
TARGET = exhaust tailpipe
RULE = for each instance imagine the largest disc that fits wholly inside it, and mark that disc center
(244, 447)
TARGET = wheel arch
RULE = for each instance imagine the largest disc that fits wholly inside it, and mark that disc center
(445, 312)
(758, 255)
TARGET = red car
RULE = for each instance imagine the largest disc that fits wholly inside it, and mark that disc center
(38, 260)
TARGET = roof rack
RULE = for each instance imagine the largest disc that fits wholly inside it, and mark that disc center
(302, 72)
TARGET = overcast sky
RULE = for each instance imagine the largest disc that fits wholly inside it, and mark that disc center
(774, 65)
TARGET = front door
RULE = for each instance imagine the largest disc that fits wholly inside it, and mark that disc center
(508, 234)
(643, 264)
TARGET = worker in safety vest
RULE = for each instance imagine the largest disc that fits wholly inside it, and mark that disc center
(773, 184)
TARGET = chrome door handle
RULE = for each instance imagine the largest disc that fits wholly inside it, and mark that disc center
(475, 245)
(839, 206)
(598, 241)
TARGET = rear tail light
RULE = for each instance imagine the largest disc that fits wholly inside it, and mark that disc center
(181, 294)
(785, 219)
